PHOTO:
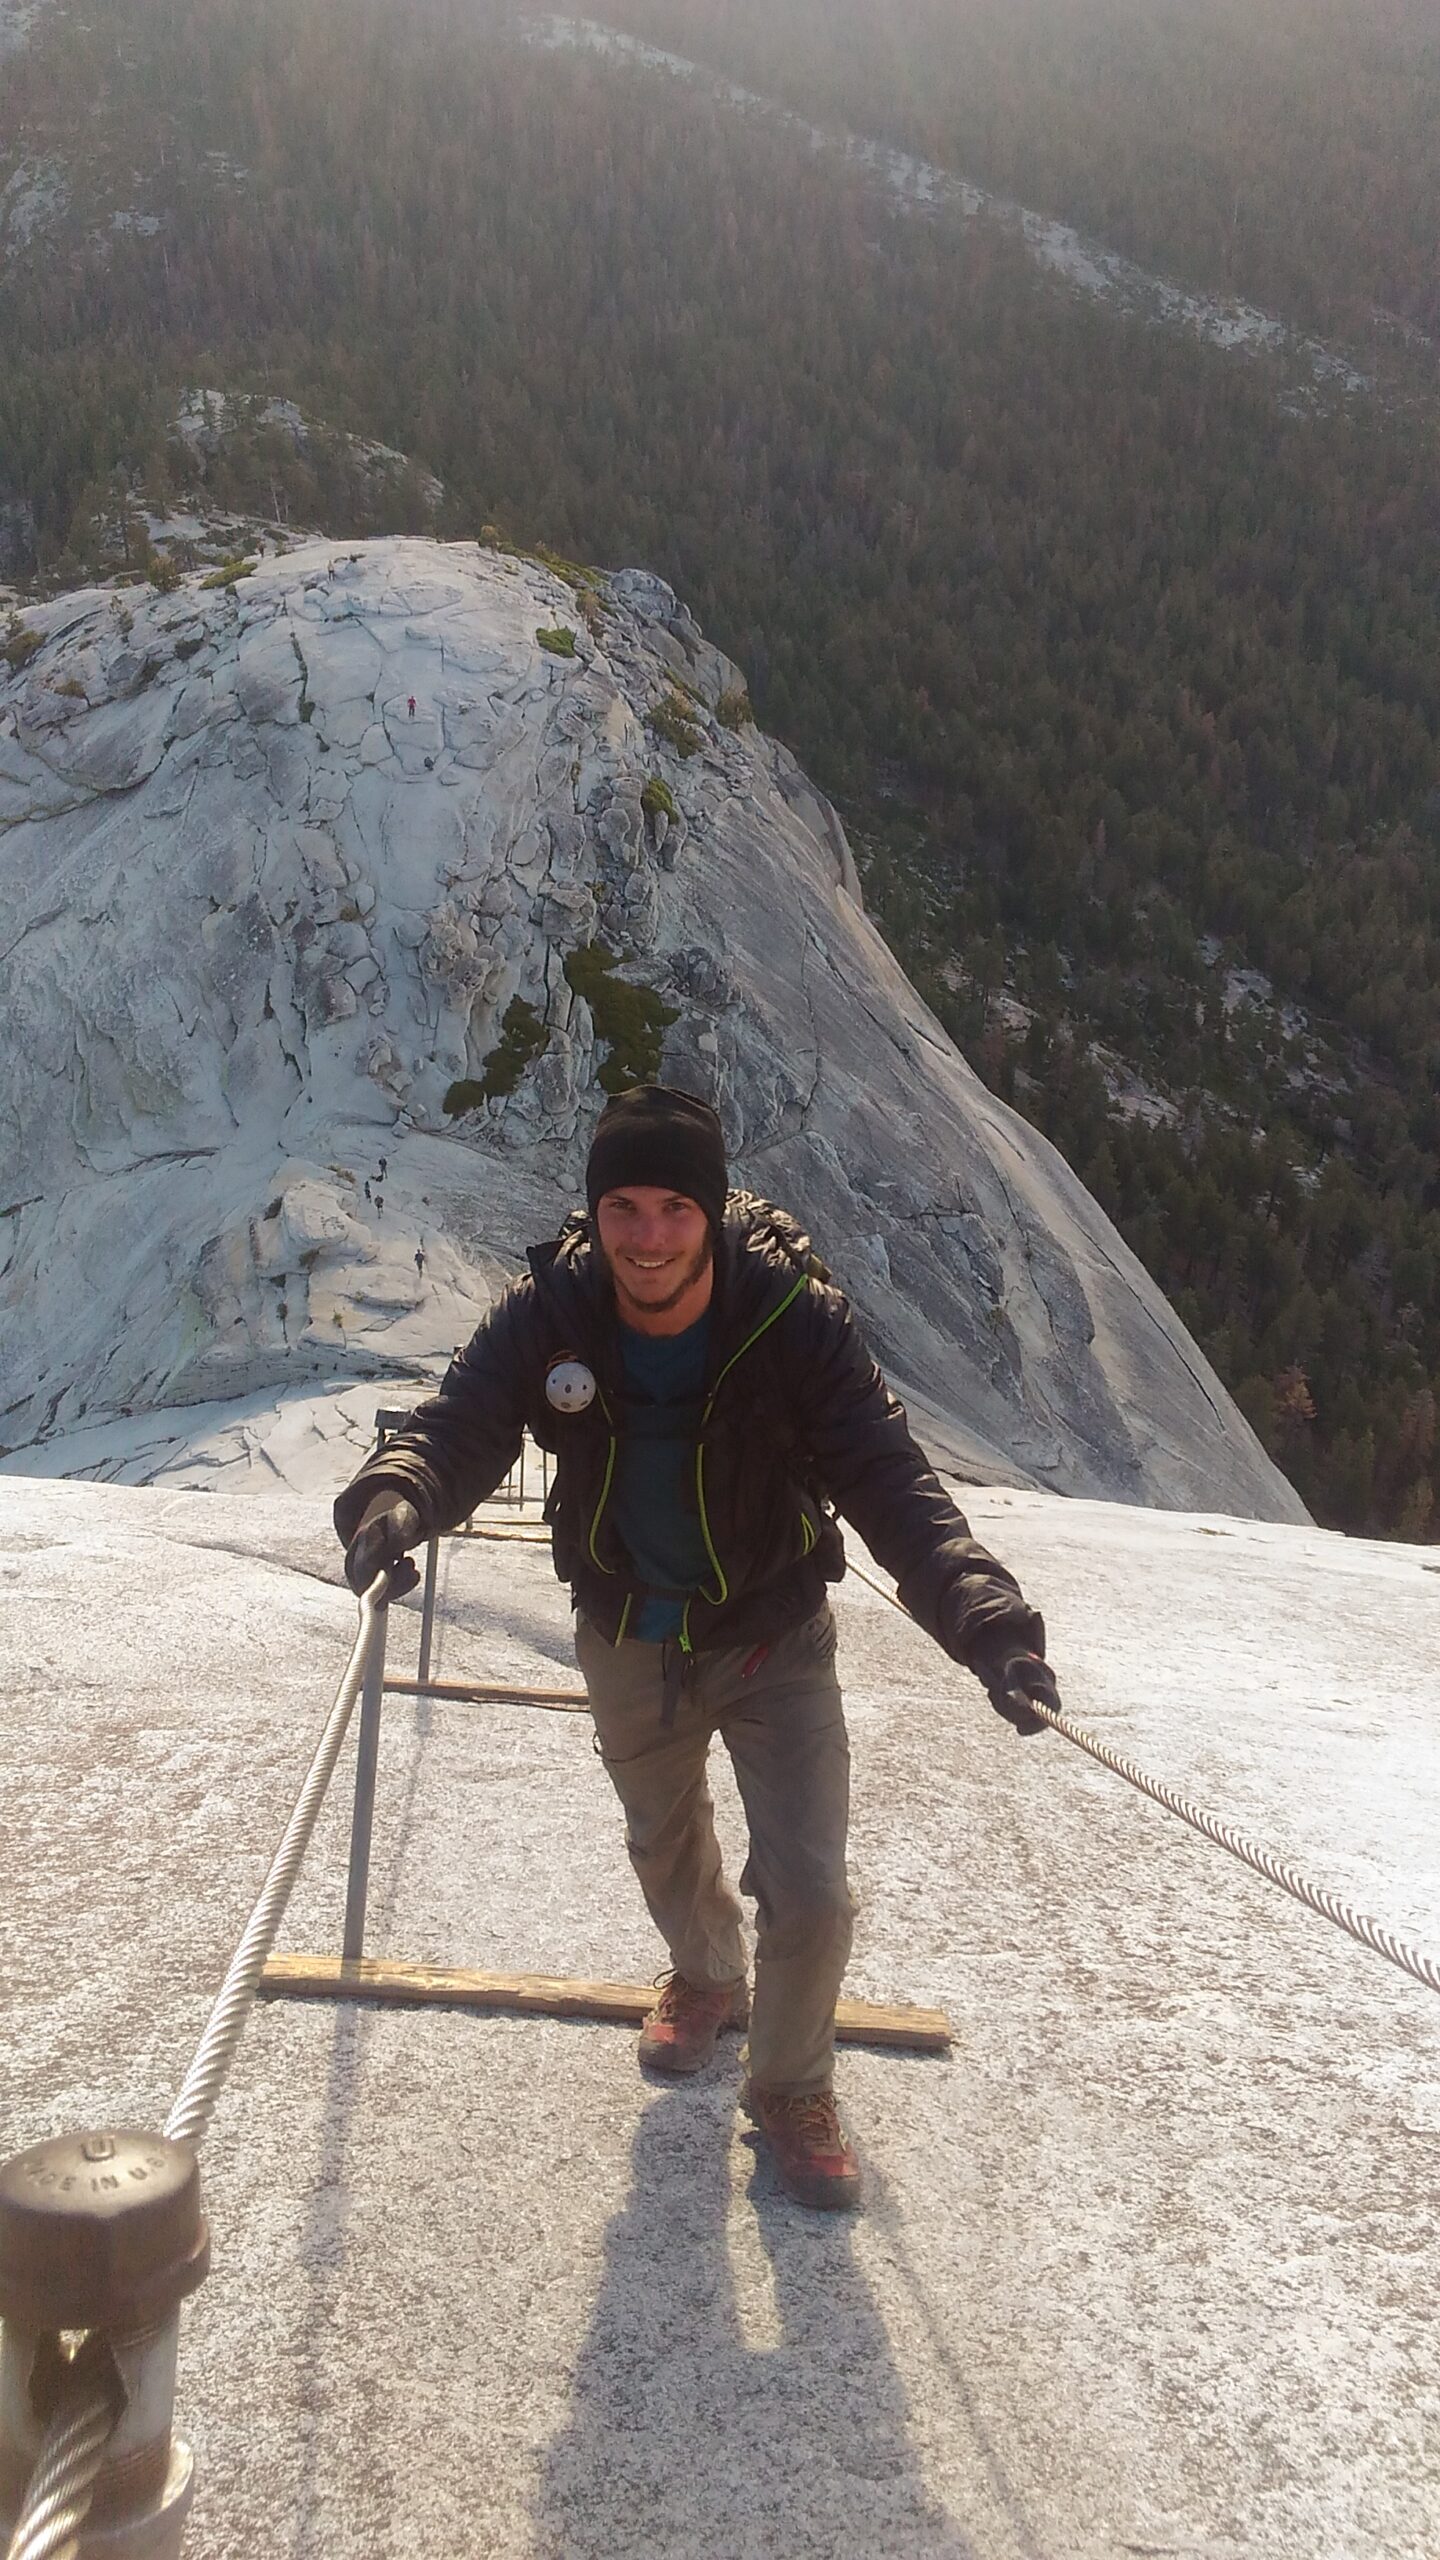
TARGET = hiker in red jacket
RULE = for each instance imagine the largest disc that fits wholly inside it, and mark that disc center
(710, 1405)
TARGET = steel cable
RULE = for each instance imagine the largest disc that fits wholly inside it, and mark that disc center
(62, 2483)
(1291, 1879)
(203, 2081)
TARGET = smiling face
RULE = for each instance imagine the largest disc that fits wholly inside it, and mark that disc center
(660, 1254)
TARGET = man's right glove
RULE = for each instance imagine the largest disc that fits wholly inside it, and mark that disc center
(388, 1525)
(1011, 1677)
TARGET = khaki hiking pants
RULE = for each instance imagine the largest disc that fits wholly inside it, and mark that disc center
(784, 1729)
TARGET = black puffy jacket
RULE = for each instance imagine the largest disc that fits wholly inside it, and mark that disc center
(797, 1424)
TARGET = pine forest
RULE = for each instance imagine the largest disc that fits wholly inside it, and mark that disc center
(1116, 648)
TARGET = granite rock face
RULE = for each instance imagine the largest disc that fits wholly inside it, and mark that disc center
(260, 919)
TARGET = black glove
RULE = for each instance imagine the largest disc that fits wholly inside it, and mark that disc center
(1012, 1677)
(388, 1525)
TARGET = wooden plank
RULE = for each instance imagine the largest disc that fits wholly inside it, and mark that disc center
(492, 1693)
(372, 1978)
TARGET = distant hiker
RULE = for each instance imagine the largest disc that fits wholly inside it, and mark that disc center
(367, 1190)
(412, 706)
(710, 1404)
(420, 1261)
(381, 1175)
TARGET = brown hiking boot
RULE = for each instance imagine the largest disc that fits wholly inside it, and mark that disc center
(817, 2165)
(681, 2030)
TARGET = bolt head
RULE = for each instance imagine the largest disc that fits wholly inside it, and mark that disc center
(100, 2230)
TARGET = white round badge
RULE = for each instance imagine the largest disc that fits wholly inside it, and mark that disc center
(569, 1386)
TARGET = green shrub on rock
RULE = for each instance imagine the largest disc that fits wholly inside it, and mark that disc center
(559, 642)
(20, 643)
(523, 1036)
(733, 708)
(630, 1020)
(574, 572)
(657, 799)
(230, 575)
(671, 721)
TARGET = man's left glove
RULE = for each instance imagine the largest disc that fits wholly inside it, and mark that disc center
(1011, 1677)
(388, 1525)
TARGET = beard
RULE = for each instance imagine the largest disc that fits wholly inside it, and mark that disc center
(694, 1270)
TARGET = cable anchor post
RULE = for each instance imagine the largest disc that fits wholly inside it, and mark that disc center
(362, 1820)
(100, 2233)
(427, 1610)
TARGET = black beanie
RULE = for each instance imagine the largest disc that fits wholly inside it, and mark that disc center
(652, 1134)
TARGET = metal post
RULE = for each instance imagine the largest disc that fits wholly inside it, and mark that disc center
(362, 1820)
(100, 2232)
(427, 1610)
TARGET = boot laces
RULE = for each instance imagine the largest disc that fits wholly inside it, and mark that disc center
(676, 1992)
(812, 2118)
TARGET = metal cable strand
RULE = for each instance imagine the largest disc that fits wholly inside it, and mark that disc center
(195, 2105)
(1332, 1906)
(1318, 1897)
(62, 2483)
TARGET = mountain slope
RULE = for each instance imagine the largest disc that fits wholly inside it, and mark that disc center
(1119, 667)
(306, 994)
(920, 187)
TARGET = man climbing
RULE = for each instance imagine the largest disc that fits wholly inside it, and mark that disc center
(710, 1405)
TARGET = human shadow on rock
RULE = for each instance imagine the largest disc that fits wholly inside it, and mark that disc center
(685, 2434)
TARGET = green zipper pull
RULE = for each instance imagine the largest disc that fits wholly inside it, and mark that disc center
(595, 1556)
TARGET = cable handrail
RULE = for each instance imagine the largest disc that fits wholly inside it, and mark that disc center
(1372, 1933)
(72, 2452)
(200, 2090)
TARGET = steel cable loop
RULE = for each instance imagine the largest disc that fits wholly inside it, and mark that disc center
(202, 2084)
(62, 2483)
(1317, 1897)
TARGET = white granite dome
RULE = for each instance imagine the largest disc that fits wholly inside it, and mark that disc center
(260, 918)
